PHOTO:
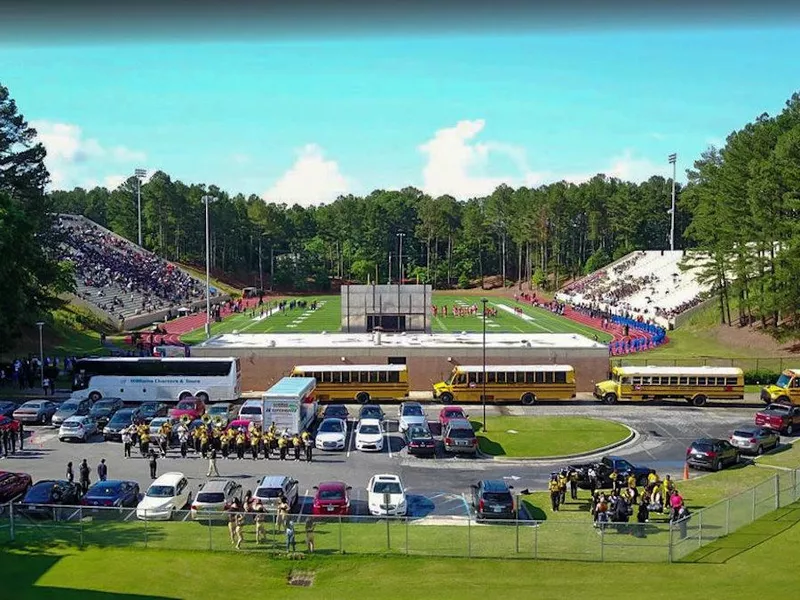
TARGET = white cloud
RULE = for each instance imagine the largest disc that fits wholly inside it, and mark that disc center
(312, 179)
(76, 160)
(455, 163)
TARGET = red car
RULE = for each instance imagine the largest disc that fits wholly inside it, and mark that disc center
(8, 423)
(450, 412)
(784, 418)
(331, 498)
(194, 407)
(13, 485)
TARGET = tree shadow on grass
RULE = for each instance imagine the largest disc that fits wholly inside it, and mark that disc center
(25, 568)
(486, 445)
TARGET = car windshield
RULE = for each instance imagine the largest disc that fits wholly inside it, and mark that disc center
(331, 427)
(31, 405)
(211, 497)
(453, 413)
(122, 416)
(497, 496)
(39, 493)
(336, 411)
(218, 410)
(777, 408)
(69, 406)
(71, 424)
(331, 494)
(186, 405)
(98, 409)
(370, 429)
(387, 487)
(251, 410)
(106, 491)
(161, 491)
(461, 434)
(268, 492)
(783, 380)
(412, 411)
(419, 432)
(372, 411)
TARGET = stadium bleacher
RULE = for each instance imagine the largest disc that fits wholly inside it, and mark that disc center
(645, 285)
(121, 279)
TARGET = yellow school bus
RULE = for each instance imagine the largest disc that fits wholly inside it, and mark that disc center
(697, 385)
(362, 383)
(507, 383)
(785, 390)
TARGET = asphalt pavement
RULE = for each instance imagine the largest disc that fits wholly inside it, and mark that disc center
(436, 486)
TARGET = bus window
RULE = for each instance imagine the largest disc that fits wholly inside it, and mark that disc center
(326, 376)
(373, 377)
(461, 379)
(647, 380)
(480, 377)
(539, 377)
(382, 376)
(561, 377)
(683, 380)
(673, 381)
(692, 380)
(473, 378)
(625, 380)
(530, 377)
(701, 381)
(548, 377)
(491, 377)
(520, 377)
(637, 381)
(730, 381)
(336, 377)
(501, 378)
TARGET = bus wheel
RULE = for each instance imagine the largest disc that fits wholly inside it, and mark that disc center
(202, 396)
(446, 398)
(184, 396)
(362, 397)
(610, 399)
(783, 400)
(95, 396)
(528, 399)
(699, 400)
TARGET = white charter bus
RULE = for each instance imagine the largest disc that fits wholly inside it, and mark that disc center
(163, 379)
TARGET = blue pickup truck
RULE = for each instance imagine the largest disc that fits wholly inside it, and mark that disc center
(605, 467)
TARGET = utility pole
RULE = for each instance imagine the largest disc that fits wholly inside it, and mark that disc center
(208, 200)
(139, 174)
(673, 159)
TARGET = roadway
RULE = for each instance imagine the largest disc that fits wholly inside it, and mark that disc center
(436, 486)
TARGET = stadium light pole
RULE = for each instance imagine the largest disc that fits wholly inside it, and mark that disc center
(400, 236)
(40, 324)
(208, 200)
(483, 395)
(673, 159)
(139, 174)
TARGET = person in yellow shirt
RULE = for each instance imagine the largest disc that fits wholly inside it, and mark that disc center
(555, 491)
(296, 443)
(240, 441)
(282, 446)
(631, 480)
(562, 487)
(652, 479)
(267, 444)
(255, 439)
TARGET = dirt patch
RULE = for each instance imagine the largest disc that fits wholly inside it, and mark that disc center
(753, 341)
(301, 578)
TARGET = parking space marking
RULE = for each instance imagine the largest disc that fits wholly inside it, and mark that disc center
(388, 441)
(350, 437)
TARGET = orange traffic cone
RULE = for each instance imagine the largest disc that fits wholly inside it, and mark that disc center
(685, 472)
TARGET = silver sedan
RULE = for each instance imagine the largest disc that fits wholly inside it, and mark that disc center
(755, 440)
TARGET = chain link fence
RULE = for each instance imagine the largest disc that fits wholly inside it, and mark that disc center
(432, 536)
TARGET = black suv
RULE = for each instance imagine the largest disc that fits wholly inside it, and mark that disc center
(711, 454)
(492, 499)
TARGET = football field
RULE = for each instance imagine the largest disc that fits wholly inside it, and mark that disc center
(327, 317)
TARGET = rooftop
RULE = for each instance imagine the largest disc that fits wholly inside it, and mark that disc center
(550, 341)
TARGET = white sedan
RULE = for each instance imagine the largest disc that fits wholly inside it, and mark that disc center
(386, 495)
(166, 495)
(369, 435)
(331, 435)
(77, 428)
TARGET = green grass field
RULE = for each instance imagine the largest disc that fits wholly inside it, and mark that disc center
(327, 317)
(536, 437)
(728, 568)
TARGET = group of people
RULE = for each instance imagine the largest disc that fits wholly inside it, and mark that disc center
(462, 311)
(253, 509)
(210, 439)
(9, 435)
(84, 472)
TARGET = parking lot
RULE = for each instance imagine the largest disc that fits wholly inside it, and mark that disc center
(435, 486)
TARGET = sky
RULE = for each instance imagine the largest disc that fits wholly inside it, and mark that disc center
(307, 120)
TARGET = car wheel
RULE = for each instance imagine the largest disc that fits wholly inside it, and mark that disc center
(789, 429)
(362, 397)
(610, 399)
(446, 398)
(760, 450)
(184, 396)
(718, 466)
(95, 396)
(528, 399)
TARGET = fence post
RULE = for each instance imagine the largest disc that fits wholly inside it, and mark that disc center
(516, 526)
(777, 491)
(145, 528)
(754, 506)
(407, 519)
(11, 520)
(700, 529)
(80, 525)
(536, 540)
(728, 516)
(210, 537)
(469, 537)
(669, 547)
(340, 535)
(602, 543)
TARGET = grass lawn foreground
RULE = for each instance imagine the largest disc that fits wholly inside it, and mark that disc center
(539, 437)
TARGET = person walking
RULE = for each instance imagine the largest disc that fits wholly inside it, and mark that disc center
(70, 472)
(83, 475)
(21, 435)
(212, 464)
(554, 490)
(310, 534)
(4, 435)
(283, 512)
(573, 484)
(127, 442)
(153, 465)
(258, 509)
(102, 470)
(296, 444)
(12, 434)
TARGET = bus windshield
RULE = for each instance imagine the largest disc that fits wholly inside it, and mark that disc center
(783, 381)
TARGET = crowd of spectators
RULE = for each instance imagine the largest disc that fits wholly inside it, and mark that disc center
(115, 274)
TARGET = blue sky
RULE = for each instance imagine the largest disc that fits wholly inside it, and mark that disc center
(302, 121)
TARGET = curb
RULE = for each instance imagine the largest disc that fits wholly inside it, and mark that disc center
(632, 436)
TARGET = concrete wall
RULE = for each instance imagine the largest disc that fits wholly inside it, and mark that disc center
(263, 367)
(411, 301)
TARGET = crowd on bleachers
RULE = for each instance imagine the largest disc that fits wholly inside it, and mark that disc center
(119, 277)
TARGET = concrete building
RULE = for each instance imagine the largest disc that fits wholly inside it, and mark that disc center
(391, 307)
(265, 358)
